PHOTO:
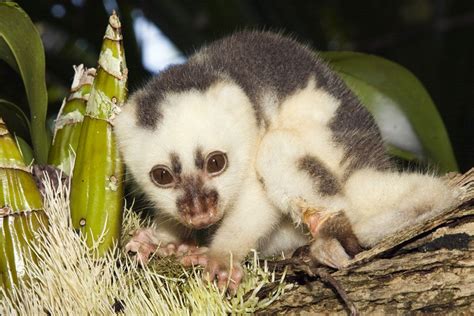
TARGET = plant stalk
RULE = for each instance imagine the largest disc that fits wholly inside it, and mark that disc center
(21, 211)
(97, 182)
(69, 121)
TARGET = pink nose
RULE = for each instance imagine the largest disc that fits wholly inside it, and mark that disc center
(198, 208)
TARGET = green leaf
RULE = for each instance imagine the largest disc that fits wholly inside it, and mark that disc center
(388, 89)
(15, 118)
(25, 150)
(6, 55)
(22, 49)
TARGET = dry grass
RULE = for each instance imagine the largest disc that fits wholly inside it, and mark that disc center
(69, 279)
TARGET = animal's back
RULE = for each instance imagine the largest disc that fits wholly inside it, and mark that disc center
(270, 68)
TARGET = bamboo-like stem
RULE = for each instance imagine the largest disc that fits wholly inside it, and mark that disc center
(97, 182)
(21, 210)
(69, 121)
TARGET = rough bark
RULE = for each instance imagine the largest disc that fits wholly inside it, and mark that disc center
(426, 269)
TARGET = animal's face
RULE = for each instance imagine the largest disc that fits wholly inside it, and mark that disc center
(195, 193)
(193, 164)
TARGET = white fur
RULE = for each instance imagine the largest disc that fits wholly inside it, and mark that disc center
(306, 114)
(184, 128)
(223, 118)
(284, 239)
(382, 203)
(300, 128)
(252, 218)
(377, 203)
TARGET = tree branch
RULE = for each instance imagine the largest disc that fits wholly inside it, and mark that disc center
(427, 268)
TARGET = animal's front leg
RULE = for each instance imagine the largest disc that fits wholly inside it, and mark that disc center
(251, 218)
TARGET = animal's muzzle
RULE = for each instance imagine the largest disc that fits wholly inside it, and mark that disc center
(198, 205)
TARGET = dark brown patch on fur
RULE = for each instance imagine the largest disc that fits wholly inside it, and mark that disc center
(326, 183)
(354, 128)
(258, 62)
(340, 228)
(175, 79)
(196, 198)
(262, 62)
(176, 166)
(199, 159)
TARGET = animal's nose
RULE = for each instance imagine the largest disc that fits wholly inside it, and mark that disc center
(198, 205)
(198, 210)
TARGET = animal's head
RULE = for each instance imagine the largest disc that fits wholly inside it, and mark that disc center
(187, 138)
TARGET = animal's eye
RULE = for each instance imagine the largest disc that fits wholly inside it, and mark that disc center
(162, 176)
(216, 163)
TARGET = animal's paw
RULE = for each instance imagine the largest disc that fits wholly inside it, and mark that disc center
(192, 255)
(144, 243)
(228, 274)
(315, 219)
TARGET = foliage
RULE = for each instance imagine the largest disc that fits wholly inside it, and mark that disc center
(22, 49)
(379, 83)
(389, 90)
(70, 279)
(383, 87)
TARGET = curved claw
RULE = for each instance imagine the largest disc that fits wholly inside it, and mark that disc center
(141, 246)
(315, 218)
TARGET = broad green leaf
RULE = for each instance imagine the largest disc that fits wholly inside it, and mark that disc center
(6, 54)
(15, 118)
(22, 49)
(389, 91)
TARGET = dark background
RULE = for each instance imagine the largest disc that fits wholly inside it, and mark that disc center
(433, 39)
